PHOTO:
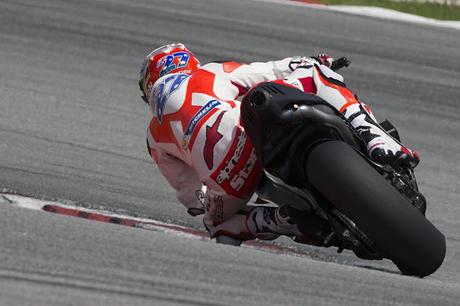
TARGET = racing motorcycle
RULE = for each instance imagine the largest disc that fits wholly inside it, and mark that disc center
(315, 161)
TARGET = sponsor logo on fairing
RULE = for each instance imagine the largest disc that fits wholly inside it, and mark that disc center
(204, 110)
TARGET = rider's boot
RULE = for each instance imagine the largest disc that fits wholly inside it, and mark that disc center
(381, 147)
(288, 221)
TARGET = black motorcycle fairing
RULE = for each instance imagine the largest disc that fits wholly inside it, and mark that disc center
(283, 123)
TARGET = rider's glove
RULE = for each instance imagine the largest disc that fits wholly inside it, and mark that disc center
(324, 59)
(334, 64)
(340, 63)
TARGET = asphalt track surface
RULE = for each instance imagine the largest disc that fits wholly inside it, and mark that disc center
(72, 128)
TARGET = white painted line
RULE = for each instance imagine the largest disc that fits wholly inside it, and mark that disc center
(142, 223)
(24, 202)
(383, 13)
(375, 12)
(35, 204)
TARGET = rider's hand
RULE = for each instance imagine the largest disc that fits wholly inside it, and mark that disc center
(324, 59)
(334, 64)
(340, 63)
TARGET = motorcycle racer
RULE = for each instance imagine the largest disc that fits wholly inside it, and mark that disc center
(197, 141)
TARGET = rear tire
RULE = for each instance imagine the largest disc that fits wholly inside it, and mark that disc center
(396, 228)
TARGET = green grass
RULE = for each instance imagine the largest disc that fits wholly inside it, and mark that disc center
(431, 10)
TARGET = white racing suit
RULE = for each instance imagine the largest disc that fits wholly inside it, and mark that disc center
(200, 147)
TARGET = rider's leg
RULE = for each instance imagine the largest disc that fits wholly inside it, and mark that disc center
(327, 84)
(288, 221)
(226, 217)
(268, 222)
(380, 145)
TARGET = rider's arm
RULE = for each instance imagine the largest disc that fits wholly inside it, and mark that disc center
(182, 178)
(248, 75)
(190, 191)
(253, 73)
(245, 76)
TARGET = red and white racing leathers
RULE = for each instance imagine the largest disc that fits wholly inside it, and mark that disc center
(199, 145)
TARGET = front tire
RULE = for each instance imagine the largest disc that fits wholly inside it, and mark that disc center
(396, 227)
